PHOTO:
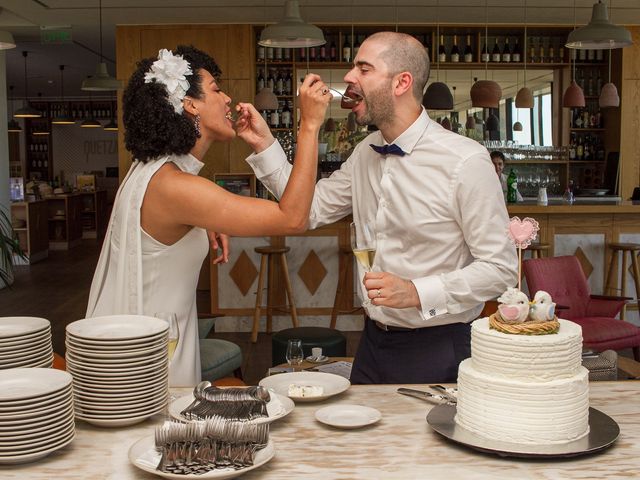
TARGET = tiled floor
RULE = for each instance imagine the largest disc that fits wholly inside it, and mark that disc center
(58, 288)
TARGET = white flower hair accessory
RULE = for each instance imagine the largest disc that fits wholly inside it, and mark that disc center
(171, 70)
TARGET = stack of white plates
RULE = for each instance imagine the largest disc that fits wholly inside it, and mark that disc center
(120, 368)
(36, 413)
(25, 342)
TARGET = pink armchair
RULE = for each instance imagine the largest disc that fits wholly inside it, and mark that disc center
(564, 279)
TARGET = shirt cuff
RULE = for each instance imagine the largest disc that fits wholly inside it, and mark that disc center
(432, 297)
(267, 161)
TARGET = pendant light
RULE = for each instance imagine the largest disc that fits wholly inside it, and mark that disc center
(486, 93)
(517, 126)
(13, 126)
(64, 118)
(524, 97)
(6, 40)
(292, 31)
(470, 123)
(40, 129)
(573, 96)
(101, 80)
(609, 94)
(26, 111)
(90, 122)
(438, 96)
(265, 99)
(493, 122)
(600, 33)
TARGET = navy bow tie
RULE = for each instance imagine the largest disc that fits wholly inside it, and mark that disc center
(391, 149)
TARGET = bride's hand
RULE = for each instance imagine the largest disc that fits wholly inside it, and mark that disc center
(251, 127)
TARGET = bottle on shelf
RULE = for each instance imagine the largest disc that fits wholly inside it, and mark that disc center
(322, 53)
(591, 55)
(495, 53)
(542, 55)
(271, 81)
(333, 51)
(568, 196)
(274, 119)
(277, 54)
(313, 54)
(599, 55)
(484, 56)
(580, 149)
(552, 53)
(269, 51)
(287, 54)
(279, 83)
(506, 51)
(455, 51)
(532, 50)
(303, 54)
(260, 53)
(288, 84)
(356, 45)
(442, 51)
(286, 116)
(260, 81)
(516, 55)
(468, 51)
(512, 187)
(346, 50)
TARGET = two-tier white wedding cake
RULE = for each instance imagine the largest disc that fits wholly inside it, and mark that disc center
(526, 388)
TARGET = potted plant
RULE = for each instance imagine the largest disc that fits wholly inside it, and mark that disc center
(9, 246)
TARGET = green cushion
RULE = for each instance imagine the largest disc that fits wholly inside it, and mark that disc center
(204, 326)
(218, 358)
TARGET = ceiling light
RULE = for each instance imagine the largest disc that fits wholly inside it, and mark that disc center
(101, 80)
(609, 96)
(600, 33)
(27, 111)
(486, 94)
(292, 31)
(524, 98)
(471, 123)
(266, 100)
(64, 118)
(13, 126)
(493, 123)
(91, 123)
(573, 96)
(6, 40)
(112, 126)
(517, 127)
(438, 97)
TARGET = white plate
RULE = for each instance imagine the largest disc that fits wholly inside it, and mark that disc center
(25, 351)
(36, 455)
(331, 384)
(119, 370)
(117, 328)
(320, 359)
(23, 383)
(120, 386)
(19, 446)
(117, 345)
(138, 455)
(348, 416)
(113, 422)
(42, 361)
(119, 376)
(50, 400)
(107, 397)
(113, 408)
(11, 327)
(35, 339)
(112, 353)
(22, 424)
(115, 362)
(275, 408)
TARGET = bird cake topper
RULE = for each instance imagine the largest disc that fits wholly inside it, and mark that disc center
(517, 315)
(522, 233)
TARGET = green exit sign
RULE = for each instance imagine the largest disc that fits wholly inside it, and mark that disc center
(55, 36)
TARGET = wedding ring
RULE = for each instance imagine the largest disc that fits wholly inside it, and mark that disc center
(379, 293)
(325, 91)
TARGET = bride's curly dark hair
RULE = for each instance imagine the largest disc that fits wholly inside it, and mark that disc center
(152, 128)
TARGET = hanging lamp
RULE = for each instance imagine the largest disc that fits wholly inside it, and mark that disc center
(573, 96)
(292, 31)
(12, 126)
(517, 126)
(599, 33)
(265, 99)
(101, 80)
(26, 111)
(64, 118)
(524, 97)
(486, 93)
(609, 94)
(470, 123)
(438, 96)
(91, 122)
(492, 123)
(6, 40)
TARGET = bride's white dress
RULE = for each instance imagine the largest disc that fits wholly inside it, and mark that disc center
(137, 274)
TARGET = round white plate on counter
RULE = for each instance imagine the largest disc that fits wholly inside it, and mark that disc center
(143, 455)
(331, 384)
(348, 416)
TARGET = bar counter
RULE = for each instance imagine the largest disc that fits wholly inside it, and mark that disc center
(400, 446)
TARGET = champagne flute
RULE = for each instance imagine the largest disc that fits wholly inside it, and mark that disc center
(294, 354)
(174, 331)
(363, 243)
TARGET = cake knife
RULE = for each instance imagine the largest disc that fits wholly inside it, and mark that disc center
(422, 395)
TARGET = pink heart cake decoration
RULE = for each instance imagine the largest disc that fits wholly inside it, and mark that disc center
(522, 232)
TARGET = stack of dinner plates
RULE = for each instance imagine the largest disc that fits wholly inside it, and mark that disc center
(36, 413)
(25, 342)
(120, 368)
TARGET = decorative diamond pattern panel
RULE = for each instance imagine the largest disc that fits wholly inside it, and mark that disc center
(587, 267)
(243, 273)
(312, 272)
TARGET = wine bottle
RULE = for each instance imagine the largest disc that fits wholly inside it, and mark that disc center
(512, 187)
(495, 54)
(313, 54)
(322, 54)
(356, 46)
(260, 84)
(468, 51)
(506, 51)
(485, 53)
(286, 116)
(542, 58)
(287, 54)
(455, 52)
(516, 55)
(260, 52)
(333, 51)
(279, 83)
(532, 51)
(288, 84)
(346, 50)
(442, 51)
(278, 53)
(269, 51)
(274, 119)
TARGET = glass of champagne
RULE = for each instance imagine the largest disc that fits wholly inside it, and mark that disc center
(174, 331)
(363, 243)
(294, 354)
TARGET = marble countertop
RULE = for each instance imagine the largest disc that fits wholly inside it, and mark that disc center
(400, 446)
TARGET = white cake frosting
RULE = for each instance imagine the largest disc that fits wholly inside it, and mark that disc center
(527, 389)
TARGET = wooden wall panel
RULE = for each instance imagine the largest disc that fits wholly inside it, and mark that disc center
(631, 56)
(240, 54)
(630, 116)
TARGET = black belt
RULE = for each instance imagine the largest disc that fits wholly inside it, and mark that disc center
(391, 328)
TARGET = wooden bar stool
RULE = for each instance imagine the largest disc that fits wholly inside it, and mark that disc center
(537, 249)
(345, 259)
(632, 249)
(265, 268)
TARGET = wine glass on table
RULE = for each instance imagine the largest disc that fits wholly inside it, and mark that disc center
(294, 354)
(363, 244)
(173, 337)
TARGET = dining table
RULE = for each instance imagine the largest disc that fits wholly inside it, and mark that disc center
(401, 445)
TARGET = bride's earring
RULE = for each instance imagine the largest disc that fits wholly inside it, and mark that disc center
(196, 124)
